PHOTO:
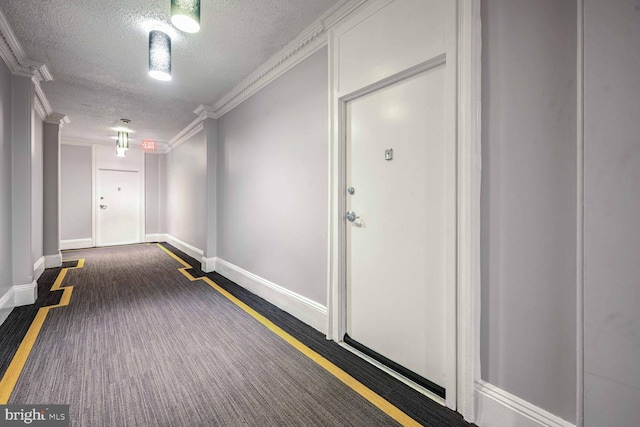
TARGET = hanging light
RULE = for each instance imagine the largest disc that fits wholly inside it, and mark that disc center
(185, 15)
(122, 144)
(159, 55)
(121, 152)
(123, 140)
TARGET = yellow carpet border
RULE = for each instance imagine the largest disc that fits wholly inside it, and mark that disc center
(10, 379)
(377, 400)
(11, 376)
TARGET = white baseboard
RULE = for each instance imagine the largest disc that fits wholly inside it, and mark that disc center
(51, 261)
(25, 294)
(15, 297)
(38, 268)
(192, 251)
(153, 238)
(6, 305)
(76, 243)
(308, 311)
(208, 264)
(498, 408)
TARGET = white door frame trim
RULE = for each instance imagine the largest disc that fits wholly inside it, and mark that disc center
(469, 203)
(469, 174)
(580, 216)
(94, 198)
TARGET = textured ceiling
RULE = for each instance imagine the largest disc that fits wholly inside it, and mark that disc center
(97, 51)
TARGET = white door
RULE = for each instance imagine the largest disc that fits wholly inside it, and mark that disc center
(119, 207)
(401, 247)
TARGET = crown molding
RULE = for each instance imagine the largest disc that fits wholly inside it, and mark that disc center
(37, 104)
(13, 55)
(203, 112)
(194, 128)
(206, 112)
(57, 119)
(309, 41)
(42, 101)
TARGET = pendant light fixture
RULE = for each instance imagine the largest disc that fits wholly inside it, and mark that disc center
(121, 152)
(159, 55)
(185, 15)
(122, 144)
(123, 140)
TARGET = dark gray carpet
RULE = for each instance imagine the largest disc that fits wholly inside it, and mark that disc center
(416, 405)
(140, 344)
(15, 327)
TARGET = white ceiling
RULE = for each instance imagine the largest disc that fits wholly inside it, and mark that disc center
(97, 52)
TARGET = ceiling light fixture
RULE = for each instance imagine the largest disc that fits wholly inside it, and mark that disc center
(122, 144)
(185, 15)
(123, 140)
(159, 55)
(121, 152)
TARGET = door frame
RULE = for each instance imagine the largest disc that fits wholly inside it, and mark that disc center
(465, 299)
(94, 196)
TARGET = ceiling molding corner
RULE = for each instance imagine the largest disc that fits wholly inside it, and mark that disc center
(309, 41)
(194, 127)
(13, 55)
(57, 119)
(205, 112)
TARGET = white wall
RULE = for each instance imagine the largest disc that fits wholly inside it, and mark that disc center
(186, 168)
(272, 181)
(5, 183)
(529, 201)
(36, 189)
(612, 213)
(75, 192)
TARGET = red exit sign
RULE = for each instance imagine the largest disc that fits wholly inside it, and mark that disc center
(149, 145)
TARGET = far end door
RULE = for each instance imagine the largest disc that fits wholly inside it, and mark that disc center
(119, 207)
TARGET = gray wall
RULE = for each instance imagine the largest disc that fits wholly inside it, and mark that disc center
(51, 187)
(75, 192)
(186, 168)
(529, 201)
(272, 181)
(5, 180)
(154, 169)
(612, 213)
(36, 189)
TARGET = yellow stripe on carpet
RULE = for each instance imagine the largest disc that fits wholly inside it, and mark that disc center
(347, 379)
(10, 378)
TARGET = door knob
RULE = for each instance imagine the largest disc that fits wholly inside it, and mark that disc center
(103, 206)
(351, 216)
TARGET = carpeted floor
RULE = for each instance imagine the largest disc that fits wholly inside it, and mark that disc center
(15, 327)
(141, 344)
